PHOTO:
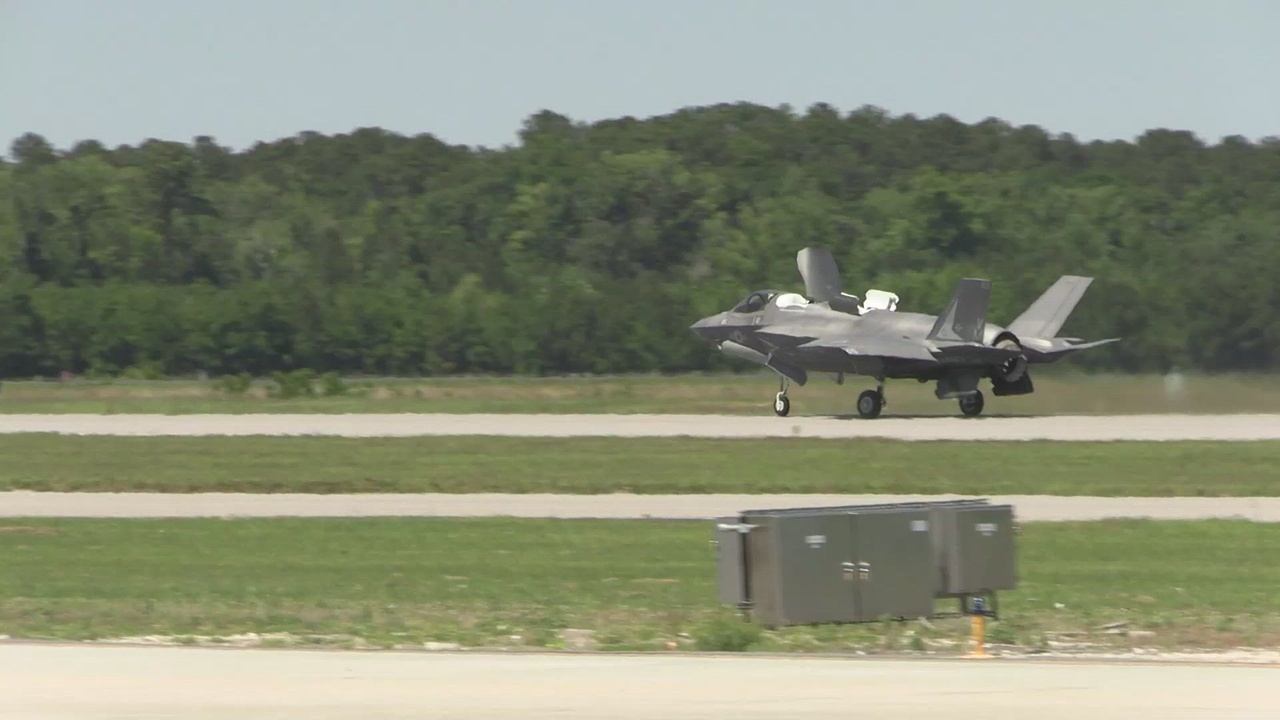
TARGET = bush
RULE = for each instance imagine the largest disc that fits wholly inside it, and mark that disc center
(331, 385)
(297, 383)
(234, 384)
(727, 633)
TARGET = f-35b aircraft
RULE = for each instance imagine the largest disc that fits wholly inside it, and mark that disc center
(829, 331)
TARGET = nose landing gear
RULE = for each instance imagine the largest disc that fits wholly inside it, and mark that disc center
(781, 404)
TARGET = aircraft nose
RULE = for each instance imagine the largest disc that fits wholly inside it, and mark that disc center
(703, 328)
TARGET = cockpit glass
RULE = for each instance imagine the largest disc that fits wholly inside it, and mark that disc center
(755, 302)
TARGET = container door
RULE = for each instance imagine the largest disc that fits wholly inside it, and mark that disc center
(895, 565)
(813, 551)
(730, 569)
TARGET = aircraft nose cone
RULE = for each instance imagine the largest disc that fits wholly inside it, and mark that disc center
(702, 328)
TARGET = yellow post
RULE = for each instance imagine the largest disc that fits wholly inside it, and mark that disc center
(979, 628)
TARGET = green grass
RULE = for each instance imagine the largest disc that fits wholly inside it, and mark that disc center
(631, 584)
(637, 465)
(1057, 392)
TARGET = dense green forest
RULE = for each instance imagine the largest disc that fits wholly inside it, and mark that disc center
(592, 247)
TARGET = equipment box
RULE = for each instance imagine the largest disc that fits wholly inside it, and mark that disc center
(976, 548)
(861, 563)
(832, 565)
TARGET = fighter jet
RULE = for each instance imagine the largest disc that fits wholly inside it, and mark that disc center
(826, 330)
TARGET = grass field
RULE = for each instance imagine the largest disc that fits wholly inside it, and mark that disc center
(630, 584)
(637, 465)
(1056, 393)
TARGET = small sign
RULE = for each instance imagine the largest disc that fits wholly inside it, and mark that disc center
(920, 526)
(987, 529)
(815, 541)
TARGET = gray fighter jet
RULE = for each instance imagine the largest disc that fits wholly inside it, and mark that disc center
(829, 331)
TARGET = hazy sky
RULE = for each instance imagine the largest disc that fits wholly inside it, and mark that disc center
(470, 71)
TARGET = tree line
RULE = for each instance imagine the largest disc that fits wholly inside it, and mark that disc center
(590, 247)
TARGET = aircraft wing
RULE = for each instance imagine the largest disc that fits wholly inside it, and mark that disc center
(885, 347)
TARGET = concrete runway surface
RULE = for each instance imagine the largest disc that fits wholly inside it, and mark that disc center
(96, 682)
(1063, 428)
(1028, 508)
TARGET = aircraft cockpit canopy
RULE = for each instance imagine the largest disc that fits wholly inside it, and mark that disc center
(755, 302)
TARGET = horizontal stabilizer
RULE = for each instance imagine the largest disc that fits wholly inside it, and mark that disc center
(1047, 351)
(965, 318)
(1045, 317)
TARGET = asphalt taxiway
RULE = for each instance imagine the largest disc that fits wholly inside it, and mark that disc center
(1028, 508)
(1242, 427)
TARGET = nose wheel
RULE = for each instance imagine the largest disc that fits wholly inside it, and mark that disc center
(781, 403)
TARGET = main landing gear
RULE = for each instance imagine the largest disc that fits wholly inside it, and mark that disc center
(871, 402)
(971, 405)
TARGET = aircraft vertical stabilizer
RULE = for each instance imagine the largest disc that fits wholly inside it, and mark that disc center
(1045, 317)
(965, 318)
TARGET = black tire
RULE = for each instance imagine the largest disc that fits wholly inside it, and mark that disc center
(971, 405)
(781, 405)
(870, 403)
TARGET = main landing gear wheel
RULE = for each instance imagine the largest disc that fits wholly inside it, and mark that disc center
(870, 402)
(971, 405)
(781, 405)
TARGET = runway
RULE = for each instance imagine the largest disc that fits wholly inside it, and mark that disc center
(95, 683)
(1062, 428)
(1027, 508)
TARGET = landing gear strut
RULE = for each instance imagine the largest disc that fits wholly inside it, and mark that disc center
(971, 405)
(871, 402)
(781, 404)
